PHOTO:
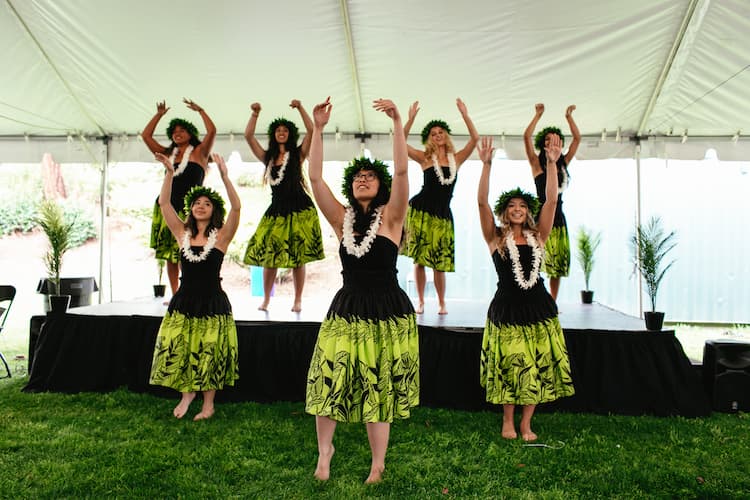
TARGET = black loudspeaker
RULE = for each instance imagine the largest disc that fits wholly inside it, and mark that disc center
(726, 374)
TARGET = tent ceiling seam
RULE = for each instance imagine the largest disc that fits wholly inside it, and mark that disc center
(54, 68)
(353, 65)
(687, 18)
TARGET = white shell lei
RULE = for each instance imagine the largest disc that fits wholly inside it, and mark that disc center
(515, 259)
(185, 159)
(451, 167)
(282, 169)
(348, 230)
(188, 253)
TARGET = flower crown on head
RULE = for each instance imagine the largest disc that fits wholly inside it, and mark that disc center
(504, 199)
(433, 123)
(291, 127)
(362, 163)
(198, 191)
(188, 126)
(539, 138)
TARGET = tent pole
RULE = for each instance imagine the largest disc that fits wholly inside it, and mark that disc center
(103, 212)
(638, 217)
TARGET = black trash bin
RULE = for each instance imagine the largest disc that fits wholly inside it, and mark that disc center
(79, 289)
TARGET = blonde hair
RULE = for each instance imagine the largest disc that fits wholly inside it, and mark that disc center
(431, 149)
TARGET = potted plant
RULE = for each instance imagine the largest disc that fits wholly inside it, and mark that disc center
(650, 245)
(588, 242)
(160, 288)
(51, 219)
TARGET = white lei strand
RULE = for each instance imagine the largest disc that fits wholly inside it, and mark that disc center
(348, 236)
(185, 159)
(515, 259)
(282, 169)
(188, 252)
(451, 167)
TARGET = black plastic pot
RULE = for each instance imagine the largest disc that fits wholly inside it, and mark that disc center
(654, 320)
(58, 304)
(160, 290)
(587, 296)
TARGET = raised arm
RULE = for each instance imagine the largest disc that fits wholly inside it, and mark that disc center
(207, 143)
(415, 154)
(462, 155)
(547, 215)
(307, 121)
(148, 132)
(395, 211)
(576, 134)
(255, 146)
(486, 217)
(332, 209)
(528, 140)
(233, 217)
(175, 224)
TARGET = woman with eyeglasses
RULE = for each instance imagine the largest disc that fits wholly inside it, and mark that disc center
(365, 365)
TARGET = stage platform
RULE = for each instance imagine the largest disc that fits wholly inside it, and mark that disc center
(617, 366)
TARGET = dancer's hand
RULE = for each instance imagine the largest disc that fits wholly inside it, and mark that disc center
(164, 160)
(569, 110)
(388, 107)
(539, 108)
(219, 160)
(461, 106)
(486, 150)
(413, 110)
(295, 104)
(192, 105)
(161, 108)
(554, 148)
(322, 113)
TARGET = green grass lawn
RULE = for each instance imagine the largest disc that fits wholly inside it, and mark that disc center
(127, 445)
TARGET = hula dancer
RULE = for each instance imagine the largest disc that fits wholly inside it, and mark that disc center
(523, 360)
(288, 235)
(365, 365)
(429, 234)
(196, 348)
(189, 158)
(557, 249)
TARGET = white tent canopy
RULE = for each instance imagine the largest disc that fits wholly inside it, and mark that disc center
(652, 69)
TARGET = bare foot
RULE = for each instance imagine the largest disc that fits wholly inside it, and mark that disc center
(528, 436)
(442, 310)
(323, 469)
(420, 308)
(263, 306)
(297, 307)
(376, 475)
(182, 407)
(205, 414)
(509, 431)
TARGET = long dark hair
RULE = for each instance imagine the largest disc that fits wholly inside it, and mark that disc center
(294, 166)
(216, 221)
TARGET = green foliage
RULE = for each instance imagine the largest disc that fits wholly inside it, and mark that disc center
(160, 263)
(18, 215)
(51, 219)
(83, 227)
(650, 245)
(127, 445)
(588, 242)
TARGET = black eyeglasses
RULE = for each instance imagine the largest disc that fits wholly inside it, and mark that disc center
(364, 176)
